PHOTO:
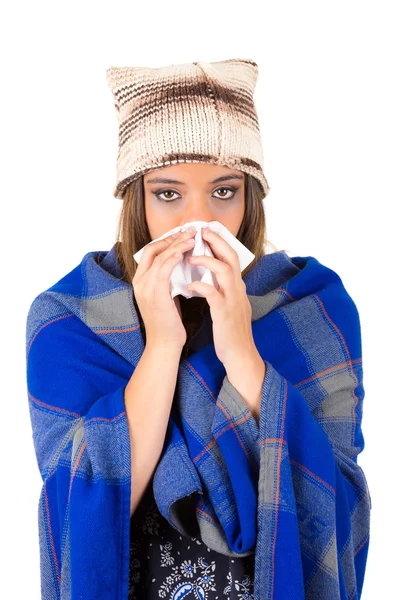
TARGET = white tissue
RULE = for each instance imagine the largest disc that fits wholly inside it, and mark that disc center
(185, 273)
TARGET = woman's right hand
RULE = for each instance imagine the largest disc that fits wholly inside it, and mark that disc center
(151, 283)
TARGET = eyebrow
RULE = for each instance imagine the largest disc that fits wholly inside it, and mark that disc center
(175, 181)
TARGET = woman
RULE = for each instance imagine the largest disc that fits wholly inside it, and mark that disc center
(203, 447)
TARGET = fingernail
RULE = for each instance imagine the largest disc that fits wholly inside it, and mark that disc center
(190, 229)
(175, 235)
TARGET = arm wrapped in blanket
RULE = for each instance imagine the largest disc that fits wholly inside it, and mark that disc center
(313, 513)
(81, 438)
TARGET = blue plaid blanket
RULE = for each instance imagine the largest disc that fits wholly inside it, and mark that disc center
(289, 490)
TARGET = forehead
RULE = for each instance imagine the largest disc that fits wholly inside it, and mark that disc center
(192, 172)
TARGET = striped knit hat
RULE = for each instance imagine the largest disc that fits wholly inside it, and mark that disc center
(193, 112)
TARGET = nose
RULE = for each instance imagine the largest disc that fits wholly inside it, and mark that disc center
(202, 213)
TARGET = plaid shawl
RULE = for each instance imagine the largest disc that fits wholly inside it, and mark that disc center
(289, 490)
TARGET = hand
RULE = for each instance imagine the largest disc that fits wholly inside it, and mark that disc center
(231, 311)
(160, 313)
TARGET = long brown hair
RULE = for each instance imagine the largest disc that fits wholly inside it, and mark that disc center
(133, 234)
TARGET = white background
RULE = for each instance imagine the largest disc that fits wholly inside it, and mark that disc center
(326, 100)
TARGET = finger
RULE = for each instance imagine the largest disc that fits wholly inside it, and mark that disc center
(162, 275)
(221, 269)
(157, 278)
(155, 248)
(209, 292)
(221, 249)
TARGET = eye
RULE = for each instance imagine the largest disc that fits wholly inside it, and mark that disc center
(230, 189)
(227, 189)
(158, 194)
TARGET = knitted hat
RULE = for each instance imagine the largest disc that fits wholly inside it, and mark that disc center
(193, 112)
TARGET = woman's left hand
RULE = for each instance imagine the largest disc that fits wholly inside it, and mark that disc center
(231, 311)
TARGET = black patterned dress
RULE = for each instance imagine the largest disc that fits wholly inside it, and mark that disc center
(165, 564)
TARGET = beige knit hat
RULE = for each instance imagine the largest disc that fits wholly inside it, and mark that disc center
(191, 112)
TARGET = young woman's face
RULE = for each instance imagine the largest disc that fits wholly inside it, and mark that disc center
(186, 192)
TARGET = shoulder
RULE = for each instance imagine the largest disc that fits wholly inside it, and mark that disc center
(320, 290)
(66, 297)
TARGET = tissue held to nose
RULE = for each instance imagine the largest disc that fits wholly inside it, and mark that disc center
(184, 272)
